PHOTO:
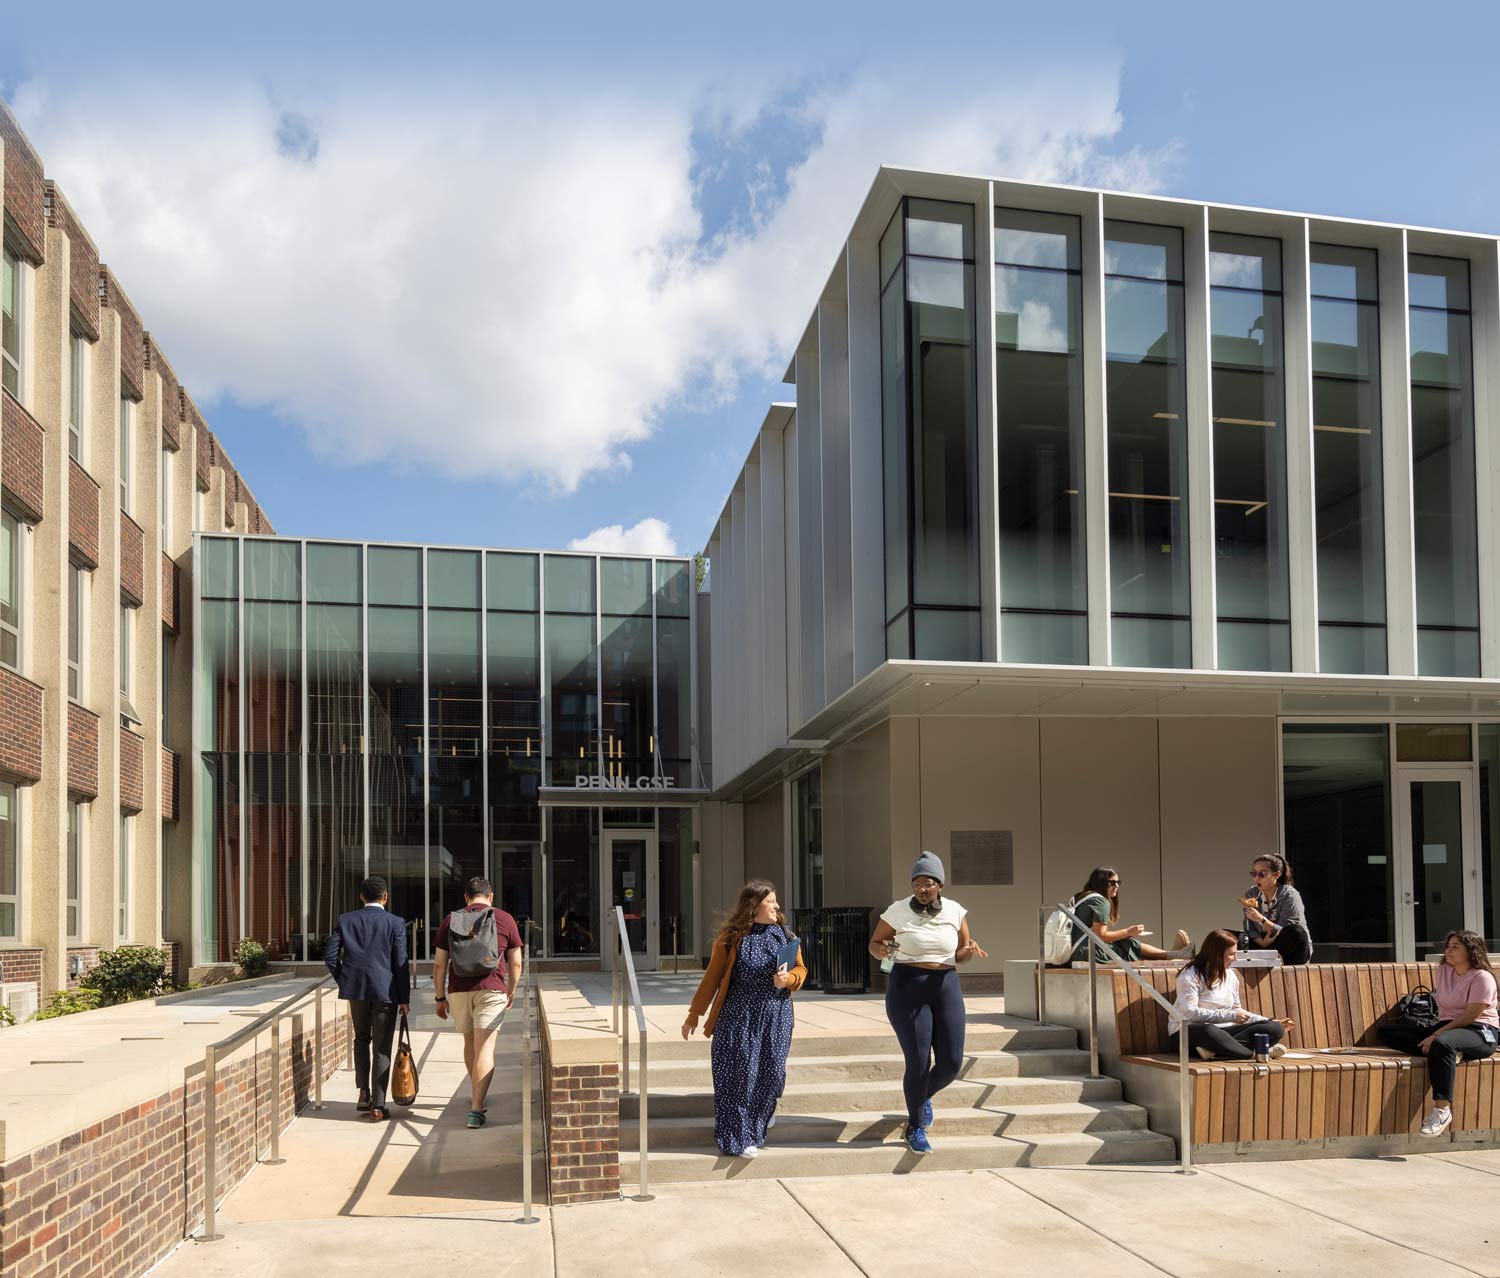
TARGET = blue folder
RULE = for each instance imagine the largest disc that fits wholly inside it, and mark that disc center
(786, 956)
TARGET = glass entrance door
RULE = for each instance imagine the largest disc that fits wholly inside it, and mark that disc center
(1437, 858)
(630, 869)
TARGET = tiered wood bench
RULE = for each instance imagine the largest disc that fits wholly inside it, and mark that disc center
(1348, 1095)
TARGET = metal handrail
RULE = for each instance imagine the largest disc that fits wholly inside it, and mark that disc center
(228, 1043)
(622, 1026)
(1095, 946)
(527, 1215)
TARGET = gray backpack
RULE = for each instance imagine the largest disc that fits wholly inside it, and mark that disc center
(473, 943)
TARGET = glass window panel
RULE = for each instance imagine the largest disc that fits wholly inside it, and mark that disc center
(935, 228)
(512, 581)
(1344, 272)
(273, 825)
(1037, 310)
(75, 631)
(219, 867)
(515, 778)
(74, 869)
(1042, 638)
(1024, 238)
(10, 590)
(455, 693)
(456, 830)
(397, 827)
(1162, 642)
(675, 879)
(573, 721)
(1337, 802)
(807, 840)
(1255, 645)
(898, 638)
(1454, 653)
(1489, 831)
(674, 586)
(10, 324)
(336, 841)
(627, 709)
(395, 680)
(891, 249)
(674, 697)
(395, 575)
(1439, 282)
(453, 578)
(569, 583)
(10, 860)
(895, 452)
(1244, 261)
(1143, 251)
(333, 573)
(1143, 321)
(625, 586)
(76, 348)
(1351, 649)
(221, 571)
(335, 679)
(273, 570)
(1433, 743)
(946, 635)
(217, 702)
(573, 852)
(273, 666)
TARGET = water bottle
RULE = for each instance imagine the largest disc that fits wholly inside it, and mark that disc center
(1260, 1044)
(888, 963)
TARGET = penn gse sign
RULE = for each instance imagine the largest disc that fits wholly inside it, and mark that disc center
(628, 784)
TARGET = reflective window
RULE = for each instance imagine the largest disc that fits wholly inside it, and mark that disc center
(77, 402)
(122, 880)
(1347, 467)
(1039, 408)
(333, 574)
(165, 486)
(273, 893)
(74, 871)
(1489, 831)
(1146, 391)
(674, 586)
(77, 588)
(573, 847)
(273, 570)
(10, 861)
(1336, 787)
(395, 575)
(512, 581)
(453, 578)
(127, 444)
(10, 324)
(1444, 515)
(930, 436)
(11, 585)
(569, 583)
(625, 587)
(807, 839)
(1249, 408)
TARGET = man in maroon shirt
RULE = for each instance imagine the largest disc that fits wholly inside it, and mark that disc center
(477, 1002)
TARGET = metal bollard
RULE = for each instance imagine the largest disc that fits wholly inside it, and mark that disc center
(527, 1216)
(643, 1192)
(275, 1160)
(1185, 1105)
(318, 1048)
(210, 1146)
(1041, 966)
(1093, 1012)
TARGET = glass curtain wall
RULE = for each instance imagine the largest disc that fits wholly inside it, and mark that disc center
(807, 839)
(930, 432)
(1249, 405)
(1039, 413)
(1347, 467)
(1336, 788)
(1146, 388)
(1489, 831)
(1444, 516)
(428, 780)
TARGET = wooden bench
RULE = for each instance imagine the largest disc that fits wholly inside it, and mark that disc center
(1369, 1093)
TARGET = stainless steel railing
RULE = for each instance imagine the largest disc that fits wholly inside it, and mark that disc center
(624, 985)
(1096, 947)
(528, 1217)
(211, 1057)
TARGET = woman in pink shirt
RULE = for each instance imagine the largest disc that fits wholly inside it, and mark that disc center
(1468, 1023)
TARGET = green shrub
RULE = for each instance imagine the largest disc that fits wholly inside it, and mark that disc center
(252, 957)
(131, 972)
(7, 1017)
(66, 1002)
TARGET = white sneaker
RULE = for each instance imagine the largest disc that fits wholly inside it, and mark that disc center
(750, 1151)
(1277, 1051)
(1437, 1122)
(1204, 1054)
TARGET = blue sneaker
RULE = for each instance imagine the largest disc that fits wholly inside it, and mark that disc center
(916, 1140)
(927, 1113)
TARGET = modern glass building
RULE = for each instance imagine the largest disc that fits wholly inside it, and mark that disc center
(431, 713)
(1111, 529)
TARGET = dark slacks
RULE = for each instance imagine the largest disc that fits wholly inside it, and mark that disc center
(926, 1009)
(1442, 1056)
(374, 1031)
(1230, 1042)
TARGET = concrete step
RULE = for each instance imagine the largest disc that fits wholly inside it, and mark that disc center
(1026, 1063)
(980, 1036)
(950, 1153)
(1060, 1118)
(883, 1095)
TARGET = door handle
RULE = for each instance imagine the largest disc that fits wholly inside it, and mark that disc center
(1408, 898)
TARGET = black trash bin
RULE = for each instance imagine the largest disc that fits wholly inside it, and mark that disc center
(807, 923)
(844, 949)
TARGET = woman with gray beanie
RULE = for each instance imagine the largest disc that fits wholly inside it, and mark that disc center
(926, 937)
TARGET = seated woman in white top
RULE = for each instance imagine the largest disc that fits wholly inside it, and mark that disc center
(1208, 1003)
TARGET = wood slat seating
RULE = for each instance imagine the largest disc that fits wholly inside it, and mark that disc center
(1335, 1005)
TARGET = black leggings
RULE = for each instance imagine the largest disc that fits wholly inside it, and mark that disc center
(1442, 1056)
(1230, 1042)
(926, 1009)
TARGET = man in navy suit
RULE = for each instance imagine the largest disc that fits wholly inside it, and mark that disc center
(367, 955)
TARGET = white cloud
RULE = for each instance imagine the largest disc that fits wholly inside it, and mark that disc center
(504, 282)
(649, 537)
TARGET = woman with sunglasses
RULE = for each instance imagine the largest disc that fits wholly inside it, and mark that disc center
(1098, 905)
(1274, 917)
(927, 937)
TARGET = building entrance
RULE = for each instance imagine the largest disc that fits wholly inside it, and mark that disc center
(1437, 861)
(629, 868)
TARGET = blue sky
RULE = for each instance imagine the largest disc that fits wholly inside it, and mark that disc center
(509, 278)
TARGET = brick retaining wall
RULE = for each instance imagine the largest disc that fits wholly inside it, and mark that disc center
(582, 1108)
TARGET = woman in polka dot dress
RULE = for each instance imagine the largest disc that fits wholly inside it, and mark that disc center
(748, 997)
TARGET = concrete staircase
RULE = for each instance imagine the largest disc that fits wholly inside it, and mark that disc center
(1024, 1098)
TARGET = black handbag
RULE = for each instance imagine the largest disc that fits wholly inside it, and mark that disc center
(1418, 1009)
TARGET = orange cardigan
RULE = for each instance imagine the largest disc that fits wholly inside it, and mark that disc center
(715, 984)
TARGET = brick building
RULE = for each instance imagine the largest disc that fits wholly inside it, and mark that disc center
(107, 469)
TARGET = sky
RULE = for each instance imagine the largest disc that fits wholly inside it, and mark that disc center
(487, 275)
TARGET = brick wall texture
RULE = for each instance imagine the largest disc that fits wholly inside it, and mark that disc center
(20, 727)
(132, 335)
(132, 771)
(168, 785)
(132, 561)
(582, 1108)
(171, 395)
(203, 435)
(90, 956)
(83, 263)
(25, 202)
(21, 450)
(111, 1200)
(17, 966)
(83, 516)
(169, 581)
(83, 752)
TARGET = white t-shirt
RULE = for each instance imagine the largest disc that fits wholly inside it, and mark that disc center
(1203, 1004)
(925, 938)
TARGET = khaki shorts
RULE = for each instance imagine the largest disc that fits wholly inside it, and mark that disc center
(477, 1009)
